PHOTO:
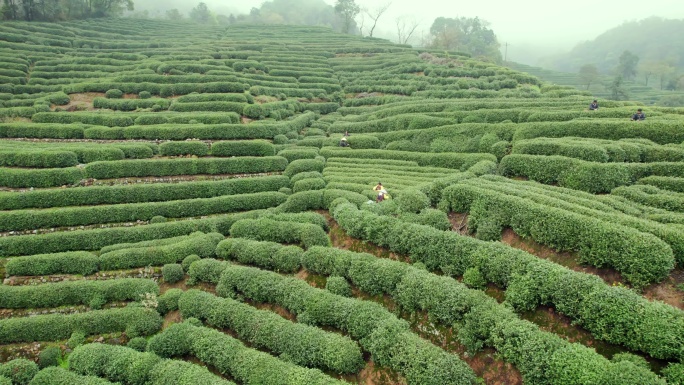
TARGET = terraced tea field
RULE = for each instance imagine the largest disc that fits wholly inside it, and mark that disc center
(176, 208)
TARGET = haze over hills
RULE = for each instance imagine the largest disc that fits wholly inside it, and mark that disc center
(652, 39)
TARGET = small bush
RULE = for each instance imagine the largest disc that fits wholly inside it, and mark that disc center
(77, 338)
(168, 301)
(50, 356)
(157, 219)
(187, 261)
(138, 343)
(21, 371)
(172, 272)
(114, 94)
(412, 201)
(339, 286)
(474, 279)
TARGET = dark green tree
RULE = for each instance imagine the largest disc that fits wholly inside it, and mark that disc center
(174, 14)
(200, 13)
(347, 9)
(617, 89)
(627, 66)
(588, 74)
(470, 35)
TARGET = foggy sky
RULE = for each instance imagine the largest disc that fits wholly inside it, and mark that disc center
(527, 25)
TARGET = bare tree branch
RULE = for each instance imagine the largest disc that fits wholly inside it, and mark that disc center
(376, 14)
(405, 28)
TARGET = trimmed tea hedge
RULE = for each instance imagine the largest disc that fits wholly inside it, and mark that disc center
(306, 345)
(77, 262)
(613, 314)
(265, 229)
(81, 292)
(37, 178)
(75, 216)
(135, 321)
(98, 195)
(130, 367)
(165, 167)
(231, 357)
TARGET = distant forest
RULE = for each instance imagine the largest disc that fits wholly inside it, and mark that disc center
(654, 40)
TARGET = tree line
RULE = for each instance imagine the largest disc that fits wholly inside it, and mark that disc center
(61, 10)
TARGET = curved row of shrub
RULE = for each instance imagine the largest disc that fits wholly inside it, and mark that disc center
(305, 345)
(641, 258)
(157, 192)
(595, 150)
(659, 131)
(135, 321)
(55, 375)
(166, 167)
(652, 196)
(81, 292)
(254, 130)
(99, 238)
(481, 320)
(230, 357)
(130, 367)
(132, 104)
(388, 339)
(268, 255)
(605, 208)
(577, 174)
(78, 216)
(318, 199)
(444, 160)
(266, 229)
(664, 182)
(203, 246)
(614, 314)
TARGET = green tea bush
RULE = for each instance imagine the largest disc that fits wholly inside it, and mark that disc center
(168, 301)
(49, 356)
(379, 332)
(187, 261)
(338, 286)
(295, 154)
(172, 272)
(581, 233)
(37, 159)
(138, 344)
(308, 184)
(114, 94)
(265, 229)
(230, 356)
(183, 148)
(203, 246)
(38, 178)
(243, 148)
(304, 345)
(269, 255)
(20, 370)
(580, 296)
(98, 195)
(58, 375)
(412, 201)
(74, 216)
(165, 167)
(303, 165)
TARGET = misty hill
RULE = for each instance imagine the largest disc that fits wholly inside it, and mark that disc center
(599, 88)
(653, 40)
